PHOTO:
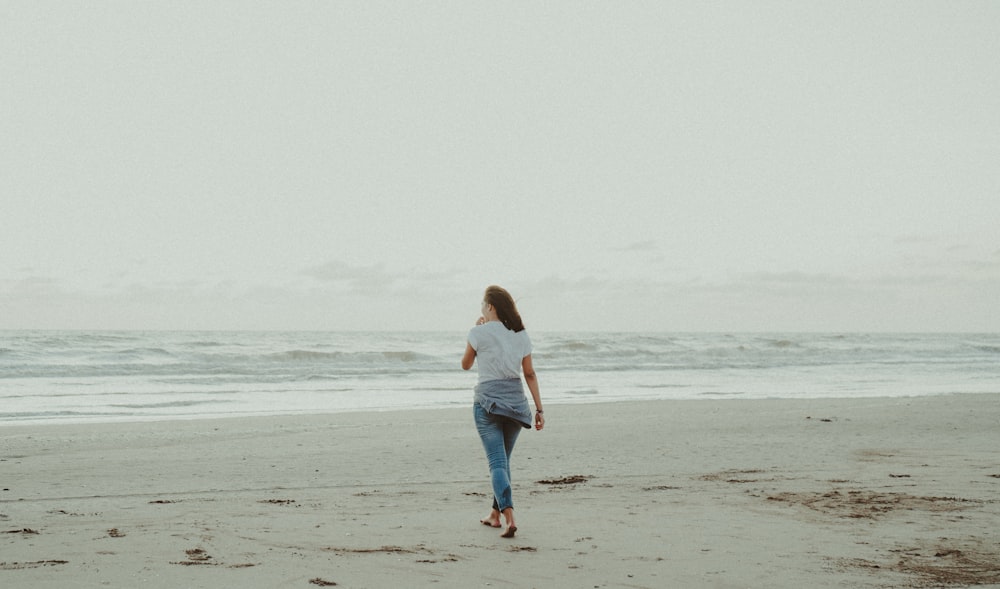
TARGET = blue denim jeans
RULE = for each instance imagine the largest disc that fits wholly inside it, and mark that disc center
(498, 435)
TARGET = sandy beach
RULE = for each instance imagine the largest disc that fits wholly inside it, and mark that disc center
(901, 492)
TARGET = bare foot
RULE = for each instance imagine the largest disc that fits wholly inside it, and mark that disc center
(508, 514)
(492, 520)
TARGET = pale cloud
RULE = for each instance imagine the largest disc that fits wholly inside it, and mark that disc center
(984, 267)
(922, 238)
(646, 245)
(28, 292)
(370, 278)
(794, 278)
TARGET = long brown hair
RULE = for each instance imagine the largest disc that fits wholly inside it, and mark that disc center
(506, 309)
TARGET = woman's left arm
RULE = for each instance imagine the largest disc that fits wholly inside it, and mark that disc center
(532, 380)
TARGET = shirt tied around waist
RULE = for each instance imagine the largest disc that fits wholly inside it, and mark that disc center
(504, 397)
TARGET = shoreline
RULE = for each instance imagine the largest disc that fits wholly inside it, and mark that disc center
(699, 493)
(453, 406)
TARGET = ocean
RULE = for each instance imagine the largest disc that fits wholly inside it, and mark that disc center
(51, 377)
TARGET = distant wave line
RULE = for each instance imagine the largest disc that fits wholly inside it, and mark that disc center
(168, 404)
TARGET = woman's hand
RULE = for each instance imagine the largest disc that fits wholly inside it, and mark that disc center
(481, 320)
(539, 420)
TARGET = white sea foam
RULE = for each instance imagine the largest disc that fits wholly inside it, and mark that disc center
(112, 376)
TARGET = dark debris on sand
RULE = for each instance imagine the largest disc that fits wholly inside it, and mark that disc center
(947, 563)
(12, 566)
(569, 480)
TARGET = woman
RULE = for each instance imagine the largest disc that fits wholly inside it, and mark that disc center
(503, 350)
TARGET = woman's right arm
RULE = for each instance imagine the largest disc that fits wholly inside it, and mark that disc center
(469, 358)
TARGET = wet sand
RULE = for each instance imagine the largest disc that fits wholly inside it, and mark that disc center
(890, 492)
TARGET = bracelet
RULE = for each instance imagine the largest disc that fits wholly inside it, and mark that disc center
(539, 411)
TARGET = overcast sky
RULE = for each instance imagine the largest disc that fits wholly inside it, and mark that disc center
(676, 166)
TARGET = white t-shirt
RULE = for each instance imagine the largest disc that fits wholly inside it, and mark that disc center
(499, 351)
